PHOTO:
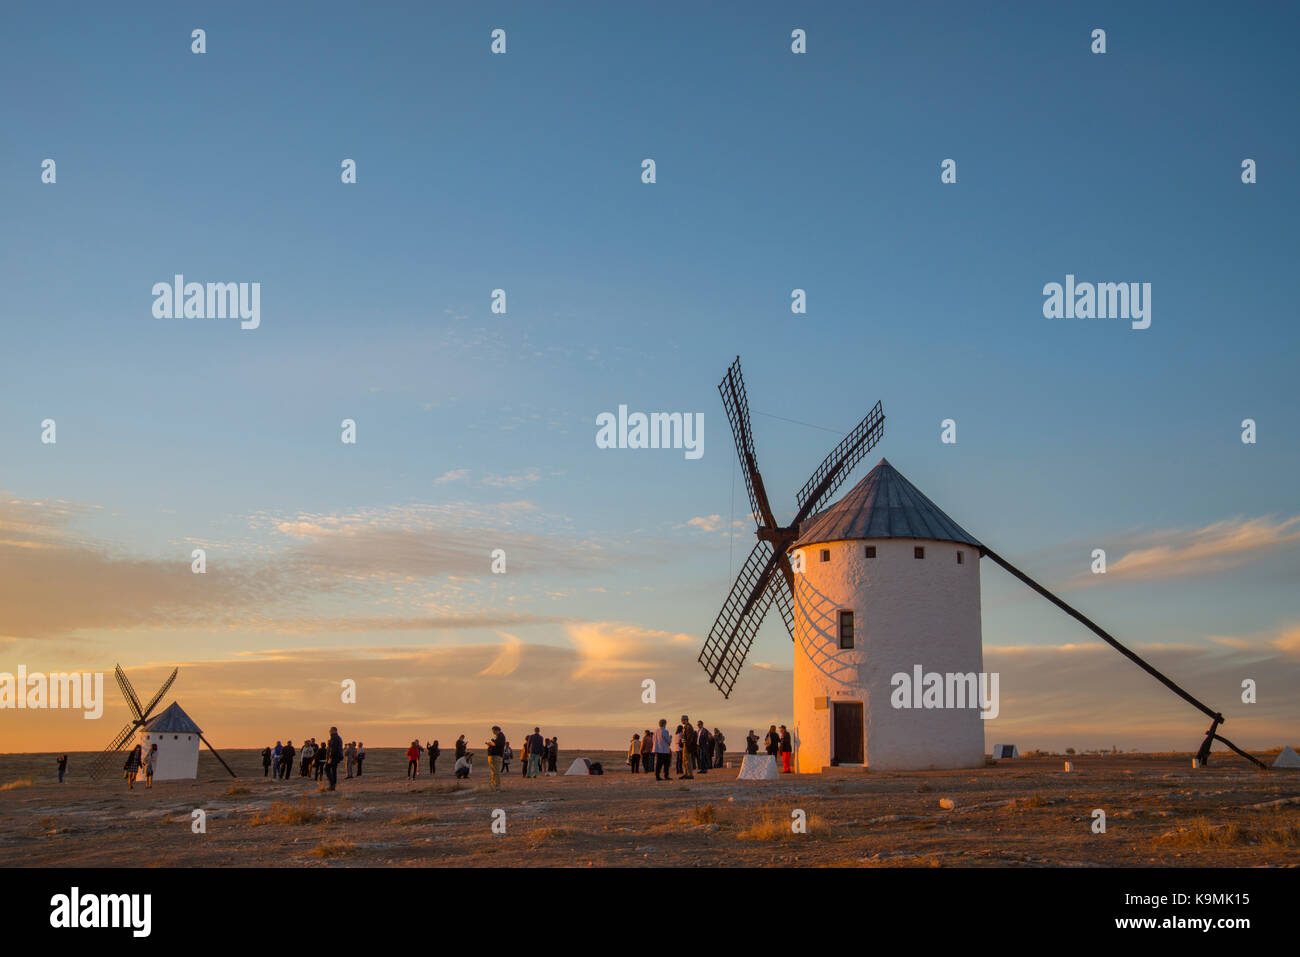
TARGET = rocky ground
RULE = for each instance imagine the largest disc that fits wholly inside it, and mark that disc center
(1158, 812)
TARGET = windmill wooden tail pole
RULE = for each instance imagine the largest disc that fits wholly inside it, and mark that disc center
(758, 585)
(1216, 718)
(217, 756)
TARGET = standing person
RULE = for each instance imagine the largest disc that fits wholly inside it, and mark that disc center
(434, 751)
(663, 745)
(787, 747)
(266, 761)
(276, 755)
(460, 747)
(132, 767)
(350, 756)
(751, 742)
(773, 741)
(413, 760)
(361, 756)
(63, 766)
(634, 753)
(496, 749)
(704, 747)
(552, 755)
(677, 750)
(334, 756)
(286, 760)
(507, 756)
(536, 749)
(719, 748)
(306, 756)
(319, 758)
(647, 751)
(690, 749)
(150, 760)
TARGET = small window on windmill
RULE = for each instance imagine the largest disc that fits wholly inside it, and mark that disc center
(918, 551)
(826, 554)
(871, 551)
(846, 628)
(961, 557)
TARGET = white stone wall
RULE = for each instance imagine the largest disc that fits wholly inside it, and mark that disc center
(907, 612)
(178, 755)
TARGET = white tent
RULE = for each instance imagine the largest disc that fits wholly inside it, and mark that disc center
(758, 767)
(1287, 759)
(1005, 751)
(579, 766)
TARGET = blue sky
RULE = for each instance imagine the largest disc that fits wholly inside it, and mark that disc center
(775, 171)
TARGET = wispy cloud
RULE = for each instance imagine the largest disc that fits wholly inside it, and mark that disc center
(715, 523)
(491, 479)
(406, 563)
(507, 660)
(455, 475)
(1185, 553)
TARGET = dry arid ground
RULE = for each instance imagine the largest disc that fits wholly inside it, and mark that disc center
(1159, 812)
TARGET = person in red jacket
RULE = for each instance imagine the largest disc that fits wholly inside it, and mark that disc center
(413, 759)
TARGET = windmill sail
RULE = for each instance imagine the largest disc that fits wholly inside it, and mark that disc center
(835, 468)
(736, 404)
(127, 692)
(766, 577)
(101, 761)
(153, 703)
(734, 629)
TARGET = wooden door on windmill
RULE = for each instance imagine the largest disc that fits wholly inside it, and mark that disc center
(848, 732)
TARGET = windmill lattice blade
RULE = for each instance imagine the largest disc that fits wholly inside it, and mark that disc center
(733, 632)
(100, 763)
(781, 589)
(736, 404)
(127, 691)
(835, 468)
(153, 703)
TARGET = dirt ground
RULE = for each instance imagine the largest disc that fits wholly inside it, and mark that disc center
(1159, 811)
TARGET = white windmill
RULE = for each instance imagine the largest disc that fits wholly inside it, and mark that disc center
(886, 584)
(173, 731)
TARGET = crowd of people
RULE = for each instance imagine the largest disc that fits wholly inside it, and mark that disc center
(777, 743)
(692, 749)
(314, 760)
(685, 751)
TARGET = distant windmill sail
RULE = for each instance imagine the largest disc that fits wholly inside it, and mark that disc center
(766, 577)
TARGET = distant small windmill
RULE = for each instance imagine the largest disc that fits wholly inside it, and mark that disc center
(872, 549)
(140, 718)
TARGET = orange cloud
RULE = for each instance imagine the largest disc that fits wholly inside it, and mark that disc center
(1221, 545)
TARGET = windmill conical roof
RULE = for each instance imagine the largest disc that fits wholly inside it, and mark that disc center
(883, 505)
(173, 721)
